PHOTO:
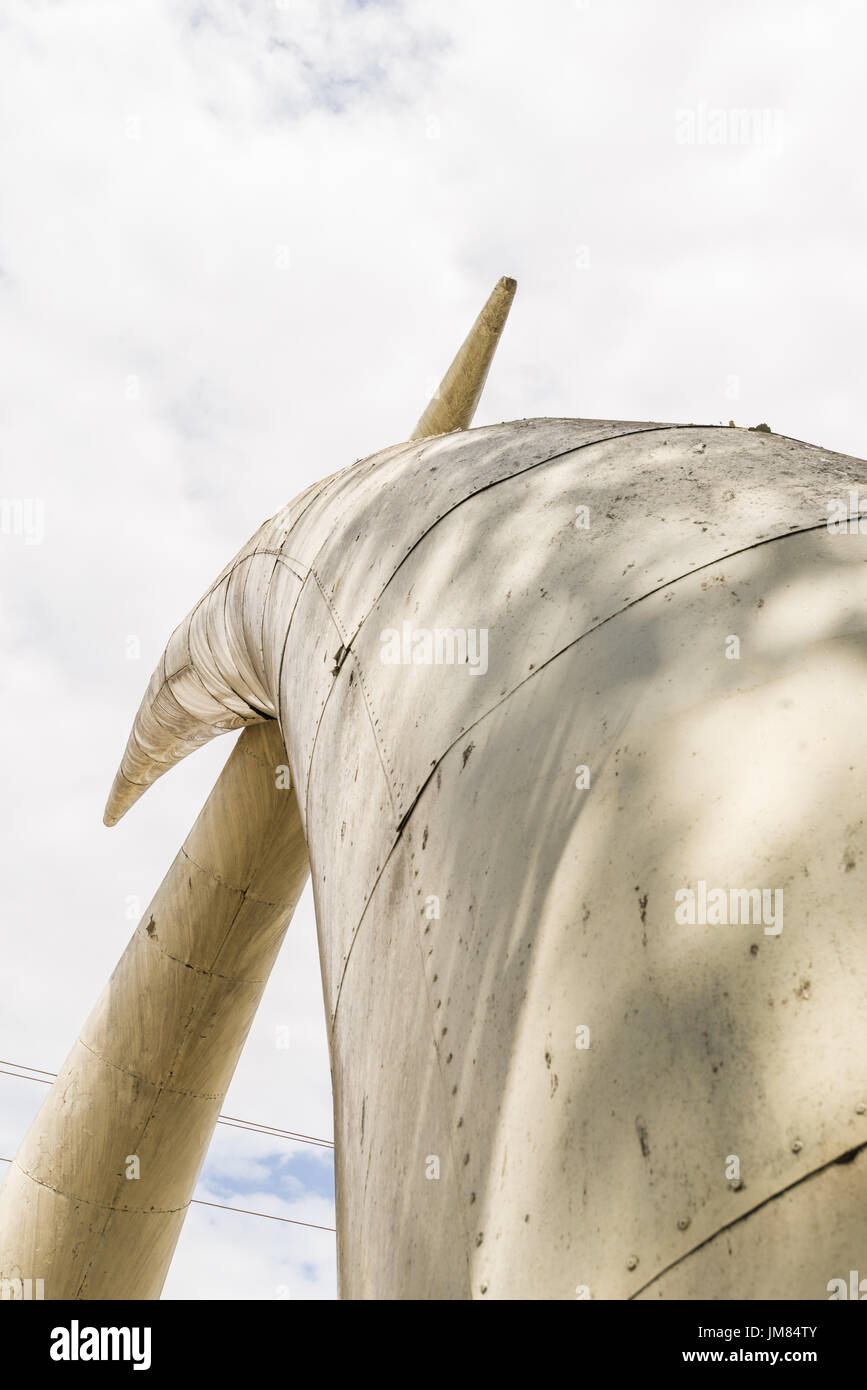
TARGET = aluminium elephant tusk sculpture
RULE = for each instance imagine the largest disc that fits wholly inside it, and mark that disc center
(573, 711)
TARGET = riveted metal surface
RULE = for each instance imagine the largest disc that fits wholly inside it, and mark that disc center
(306, 678)
(93, 1169)
(246, 587)
(321, 514)
(705, 1041)
(396, 1151)
(245, 612)
(350, 821)
(207, 1054)
(807, 1235)
(510, 561)
(284, 591)
(89, 1235)
(397, 501)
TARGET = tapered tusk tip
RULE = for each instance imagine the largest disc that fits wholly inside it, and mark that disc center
(123, 794)
(454, 404)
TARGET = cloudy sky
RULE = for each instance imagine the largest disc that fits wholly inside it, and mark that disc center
(239, 242)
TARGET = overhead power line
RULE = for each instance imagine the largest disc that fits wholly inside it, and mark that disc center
(266, 1214)
(230, 1121)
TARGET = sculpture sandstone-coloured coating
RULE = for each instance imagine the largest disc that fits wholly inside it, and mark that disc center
(573, 711)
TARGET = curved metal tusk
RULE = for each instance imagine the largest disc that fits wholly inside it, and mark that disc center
(195, 694)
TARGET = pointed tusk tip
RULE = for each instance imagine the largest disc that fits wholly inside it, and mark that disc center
(454, 404)
(122, 796)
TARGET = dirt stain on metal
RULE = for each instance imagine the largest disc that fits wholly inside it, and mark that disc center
(643, 1136)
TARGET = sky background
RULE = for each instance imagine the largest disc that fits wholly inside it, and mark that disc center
(240, 241)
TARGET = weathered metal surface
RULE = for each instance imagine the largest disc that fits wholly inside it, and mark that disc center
(396, 503)
(350, 818)
(579, 1160)
(511, 561)
(826, 1213)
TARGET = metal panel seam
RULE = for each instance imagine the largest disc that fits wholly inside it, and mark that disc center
(845, 1157)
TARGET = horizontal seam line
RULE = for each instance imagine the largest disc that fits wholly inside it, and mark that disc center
(215, 877)
(103, 1206)
(159, 1086)
(201, 969)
